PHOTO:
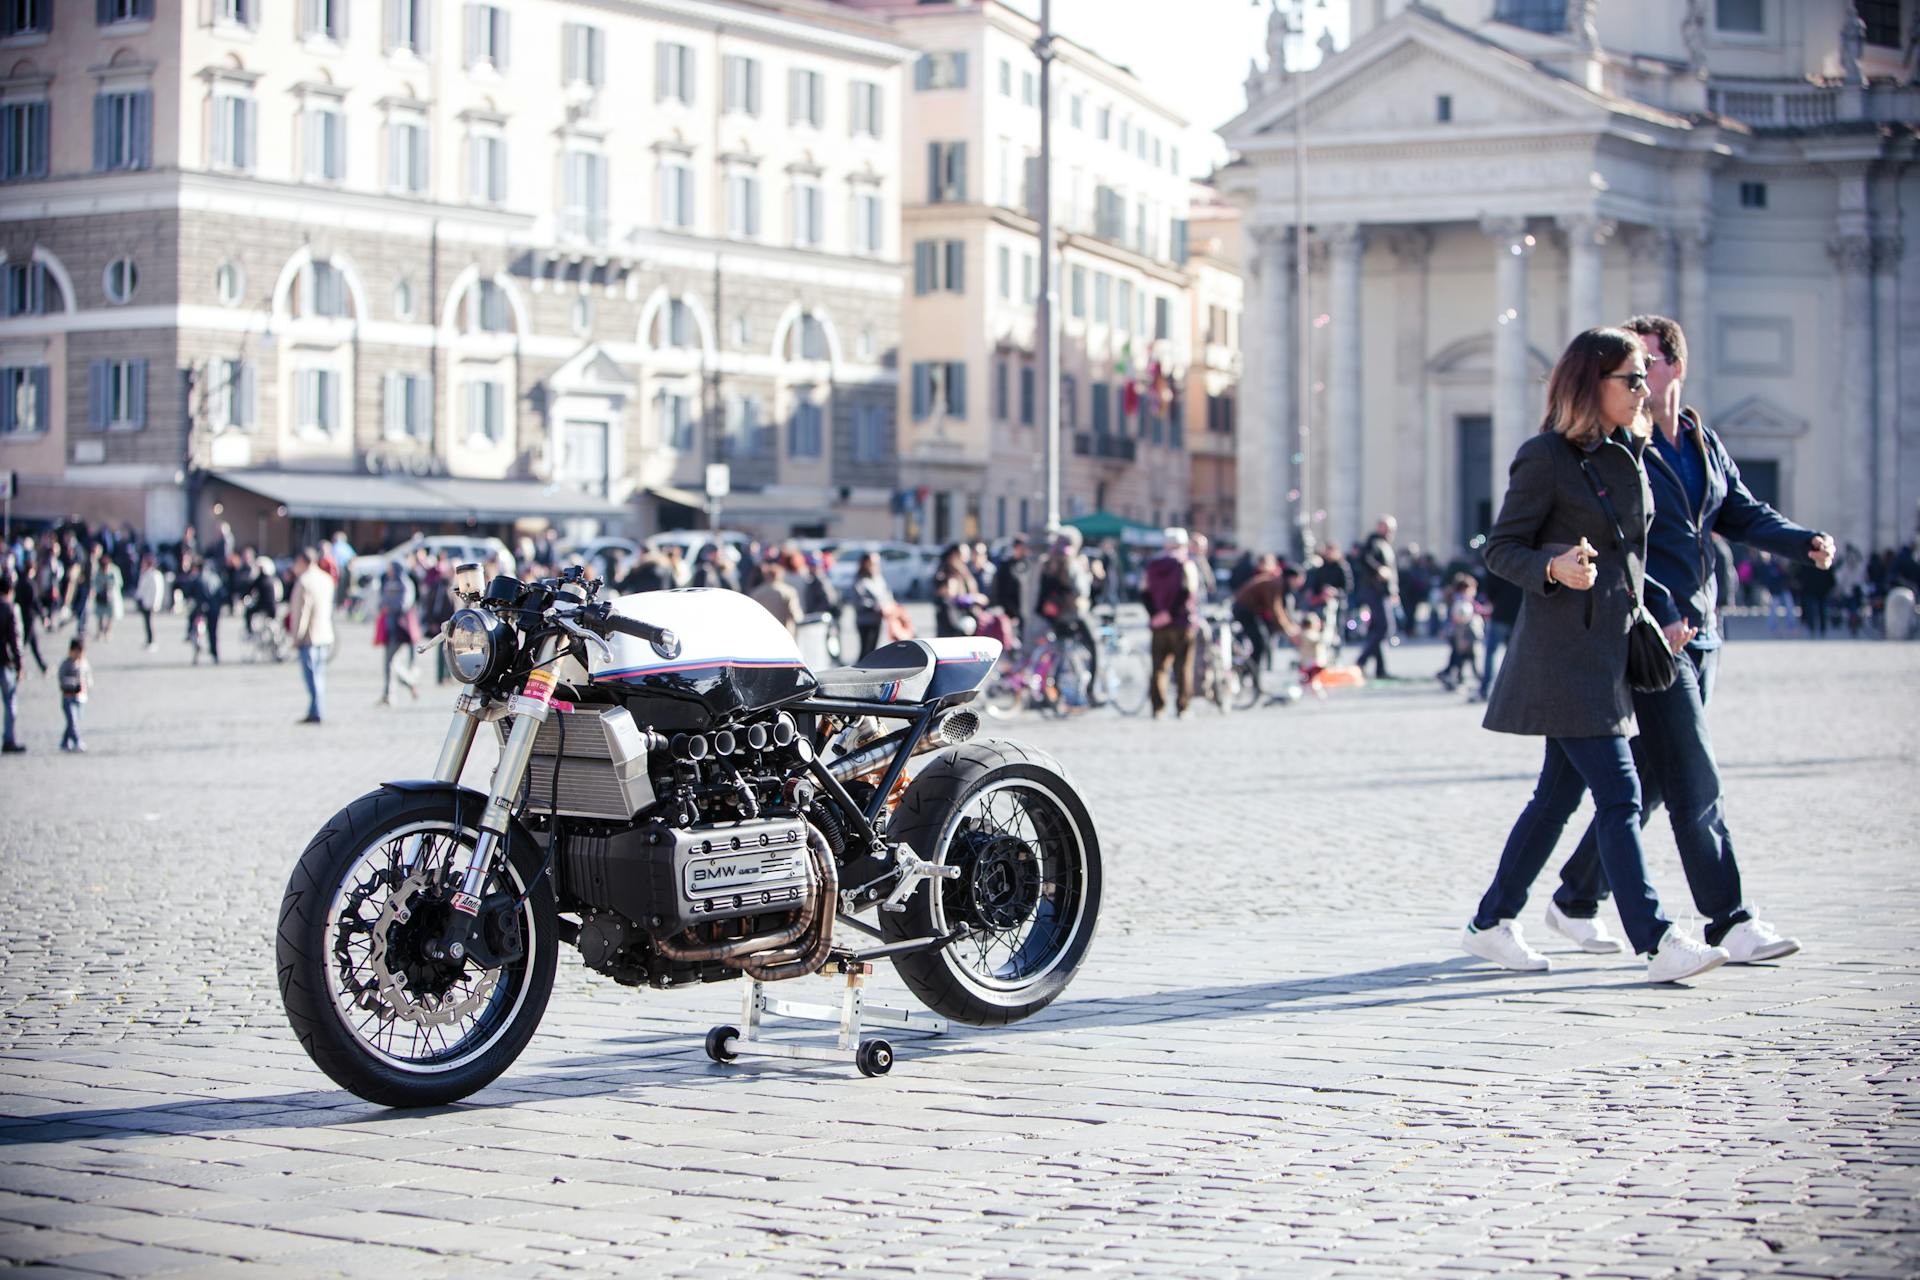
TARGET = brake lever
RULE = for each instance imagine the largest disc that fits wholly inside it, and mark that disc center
(439, 638)
(574, 629)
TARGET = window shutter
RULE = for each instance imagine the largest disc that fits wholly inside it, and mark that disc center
(248, 143)
(420, 402)
(923, 72)
(689, 76)
(474, 18)
(596, 57)
(933, 172)
(796, 96)
(753, 86)
(37, 381)
(10, 398)
(957, 160)
(660, 71)
(11, 165)
(102, 124)
(922, 391)
(956, 281)
(502, 38)
(753, 206)
(923, 266)
(394, 389)
(243, 398)
(340, 9)
(394, 33)
(422, 25)
(957, 389)
(853, 109)
(137, 391)
(875, 111)
(420, 161)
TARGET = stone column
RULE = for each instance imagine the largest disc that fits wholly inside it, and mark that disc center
(1696, 317)
(1511, 248)
(1854, 503)
(1650, 291)
(1587, 238)
(1414, 446)
(1887, 524)
(1264, 467)
(1346, 430)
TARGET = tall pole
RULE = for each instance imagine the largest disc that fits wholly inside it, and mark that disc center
(1048, 306)
(1303, 327)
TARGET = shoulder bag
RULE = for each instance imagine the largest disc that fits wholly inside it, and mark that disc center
(1650, 664)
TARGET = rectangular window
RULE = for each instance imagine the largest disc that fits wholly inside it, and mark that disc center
(316, 394)
(1102, 424)
(1123, 314)
(807, 219)
(1102, 297)
(109, 11)
(864, 109)
(326, 291)
(1883, 21)
(233, 131)
(583, 56)
(489, 36)
(584, 215)
(326, 143)
(323, 19)
(491, 314)
(945, 70)
(1076, 107)
(1162, 318)
(1028, 271)
(1029, 89)
(939, 389)
(744, 435)
(487, 168)
(1006, 78)
(409, 409)
(123, 130)
(1103, 123)
(1745, 17)
(1077, 292)
(486, 411)
(408, 23)
(1000, 397)
(743, 205)
(1069, 403)
(23, 140)
(673, 419)
(953, 275)
(1753, 195)
(231, 395)
(20, 17)
(1126, 133)
(946, 172)
(676, 195)
(1003, 271)
(869, 223)
(673, 73)
(742, 77)
(677, 325)
(806, 98)
(407, 171)
(23, 400)
(26, 289)
(1026, 395)
(1443, 108)
(803, 430)
(870, 433)
(1173, 159)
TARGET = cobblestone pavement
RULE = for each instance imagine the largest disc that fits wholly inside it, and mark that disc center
(1276, 1061)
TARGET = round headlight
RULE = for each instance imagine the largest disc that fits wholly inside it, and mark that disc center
(477, 646)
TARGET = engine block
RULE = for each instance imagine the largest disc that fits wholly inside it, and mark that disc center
(666, 879)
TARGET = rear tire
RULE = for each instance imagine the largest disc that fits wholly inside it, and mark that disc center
(354, 1035)
(1031, 881)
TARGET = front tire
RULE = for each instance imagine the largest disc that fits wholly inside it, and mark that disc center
(1030, 882)
(371, 1010)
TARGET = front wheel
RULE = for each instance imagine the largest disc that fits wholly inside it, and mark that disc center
(372, 1008)
(1028, 889)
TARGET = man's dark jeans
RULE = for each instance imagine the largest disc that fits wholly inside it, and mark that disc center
(1572, 767)
(1674, 757)
(1379, 631)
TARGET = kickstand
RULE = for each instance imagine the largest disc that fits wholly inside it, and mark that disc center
(872, 1057)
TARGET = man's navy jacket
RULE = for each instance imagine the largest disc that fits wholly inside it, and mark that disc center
(1679, 548)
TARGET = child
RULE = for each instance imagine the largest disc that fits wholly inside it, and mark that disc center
(1463, 629)
(76, 681)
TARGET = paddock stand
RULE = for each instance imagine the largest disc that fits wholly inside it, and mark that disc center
(872, 1057)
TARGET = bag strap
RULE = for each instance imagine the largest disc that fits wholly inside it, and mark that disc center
(1619, 532)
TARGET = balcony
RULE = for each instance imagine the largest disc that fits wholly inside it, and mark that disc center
(1099, 444)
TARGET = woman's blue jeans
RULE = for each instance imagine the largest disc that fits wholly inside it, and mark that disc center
(1573, 767)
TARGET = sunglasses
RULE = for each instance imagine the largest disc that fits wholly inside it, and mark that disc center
(1634, 381)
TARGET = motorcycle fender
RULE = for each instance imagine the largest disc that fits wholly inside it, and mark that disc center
(518, 836)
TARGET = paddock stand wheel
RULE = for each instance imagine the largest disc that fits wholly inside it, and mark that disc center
(720, 1042)
(874, 1058)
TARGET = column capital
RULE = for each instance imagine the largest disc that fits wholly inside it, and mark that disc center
(1851, 252)
(1511, 229)
(1651, 245)
(1586, 228)
(1409, 245)
(1887, 252)
(1346, 237)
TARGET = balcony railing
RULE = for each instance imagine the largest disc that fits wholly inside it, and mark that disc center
(1798, 107)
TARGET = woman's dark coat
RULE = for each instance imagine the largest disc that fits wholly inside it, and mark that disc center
(1565, 673)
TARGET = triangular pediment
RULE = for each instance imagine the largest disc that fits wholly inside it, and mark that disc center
(592, 372)
(1390, 81)
(1758, 418)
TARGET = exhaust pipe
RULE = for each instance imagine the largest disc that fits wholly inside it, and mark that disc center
(948, 729)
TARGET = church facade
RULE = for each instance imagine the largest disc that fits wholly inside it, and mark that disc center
(1485, 178)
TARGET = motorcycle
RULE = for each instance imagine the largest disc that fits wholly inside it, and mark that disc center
(682, 800)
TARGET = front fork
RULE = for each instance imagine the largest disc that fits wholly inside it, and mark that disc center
(528, 710)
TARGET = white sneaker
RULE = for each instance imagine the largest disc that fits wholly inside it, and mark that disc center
(1755, 940)
(1506, 946)
(1590, 936)
(1681, 955)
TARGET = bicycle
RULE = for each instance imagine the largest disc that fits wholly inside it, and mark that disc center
(1124, 670)
(1047, 676)
(1223, 673)
(267, 639)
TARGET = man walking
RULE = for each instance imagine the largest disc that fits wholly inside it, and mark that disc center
(12, 665)
(1377, 585)
(311, 611)
(1697, 492)
(1173, 612)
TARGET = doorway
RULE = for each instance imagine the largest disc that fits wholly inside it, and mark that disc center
(1473, 477)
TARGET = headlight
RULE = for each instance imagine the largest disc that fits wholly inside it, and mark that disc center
(479, 646)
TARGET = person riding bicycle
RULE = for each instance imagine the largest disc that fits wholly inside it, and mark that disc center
(1260, 607)
(263, 595)
(1066, 591)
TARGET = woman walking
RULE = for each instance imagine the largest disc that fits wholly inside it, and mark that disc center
(956, 596)
(872, 602)
(1576, 486)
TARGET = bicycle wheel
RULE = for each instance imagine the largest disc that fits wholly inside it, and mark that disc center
(1072, 681)
(1124, 675)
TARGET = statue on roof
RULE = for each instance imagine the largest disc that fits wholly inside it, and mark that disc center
(1277, 32)
(1583, 22)
(1255, 80)
(1910, 69)
(1693, 35)
(1853, 42)
(1327, 49)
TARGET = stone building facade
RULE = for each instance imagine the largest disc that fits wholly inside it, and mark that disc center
(1485, 178)
(441, 264)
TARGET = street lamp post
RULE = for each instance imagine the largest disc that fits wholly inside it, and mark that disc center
(1047, 307)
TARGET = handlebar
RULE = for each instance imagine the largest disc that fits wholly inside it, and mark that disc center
(637, 629)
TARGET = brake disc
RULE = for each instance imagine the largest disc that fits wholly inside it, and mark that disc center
(397, 990)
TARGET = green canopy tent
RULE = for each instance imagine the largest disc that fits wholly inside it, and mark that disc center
(1100, 525)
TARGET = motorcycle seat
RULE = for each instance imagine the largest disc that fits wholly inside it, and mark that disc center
(897, 672)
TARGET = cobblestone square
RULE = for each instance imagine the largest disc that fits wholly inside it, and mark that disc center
(1276, 1061)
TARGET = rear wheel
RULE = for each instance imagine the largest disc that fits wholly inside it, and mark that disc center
(1124, 673)
(1029, 884)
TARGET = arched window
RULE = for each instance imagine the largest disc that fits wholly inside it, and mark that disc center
(807, 339)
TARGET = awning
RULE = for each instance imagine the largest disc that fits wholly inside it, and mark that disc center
(349, 495)
(679, 497)
(1098, 525)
